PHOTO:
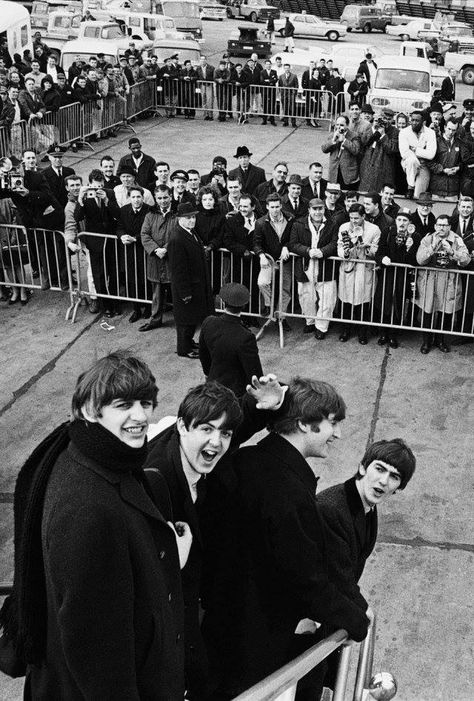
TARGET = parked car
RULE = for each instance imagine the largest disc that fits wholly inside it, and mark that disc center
(412, 30)
(254, 10)
(208, 9)
(248, 40)
(463, 63)
(365, 18)
(310, 26)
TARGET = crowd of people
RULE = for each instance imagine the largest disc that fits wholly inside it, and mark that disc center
(165, 231)
(186, 567)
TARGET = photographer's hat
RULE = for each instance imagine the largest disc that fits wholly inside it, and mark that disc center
(234, 294)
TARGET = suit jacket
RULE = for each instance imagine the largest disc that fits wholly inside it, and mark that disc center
(300, 243)
(268, 79)
(99, 218)
(350, 533)
(455, 226)
(290, 82)
(207, 73)
(185, 197)
(250, 77)
(250, 180)
(145, 175)
(268, 188)
(266, 239)
(228, 352)
(264, 505)
(420, 227)
(30, 104)
(237, 238)
(343, 158)
(112, 581)
(300, 211)
(307, 190)
(56, 183)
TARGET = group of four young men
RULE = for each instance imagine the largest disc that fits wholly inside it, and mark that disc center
(104, 522)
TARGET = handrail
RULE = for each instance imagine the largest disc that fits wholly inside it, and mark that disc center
(6, 588)
(364, 667)
(284, 678)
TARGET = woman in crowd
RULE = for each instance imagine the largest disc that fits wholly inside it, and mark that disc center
(210, 228)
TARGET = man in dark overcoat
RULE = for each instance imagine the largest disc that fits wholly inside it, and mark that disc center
(250, 176)
(271, 579)
(239, 240)
(190, 286)
(227, 349)
(155, 234)
(56, 173)
(133, 275)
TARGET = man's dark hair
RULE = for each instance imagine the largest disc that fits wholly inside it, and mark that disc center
(374, 197)
(163, 188)
(310, 402)
(96, 174)
(390, 185)
(351, 194)
(136, 188)
(162, 163)
(357, 209)
(119, 375)
(208, 402)
(354, 102)
(273, 197)
(71, 178)
(395, 453)
(193, 171)
(106, 158)
(316, 164)
(422, 115)
(444, 217)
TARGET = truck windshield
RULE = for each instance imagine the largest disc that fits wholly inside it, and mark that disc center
(181, 9)
(396, 79)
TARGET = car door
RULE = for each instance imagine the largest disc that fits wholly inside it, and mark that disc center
(315, 27)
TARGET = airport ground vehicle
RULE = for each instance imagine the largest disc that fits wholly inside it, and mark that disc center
(185, 13)
(312, 27)
(41, 9)
(402, 83)
(254, 10)
(248, 40)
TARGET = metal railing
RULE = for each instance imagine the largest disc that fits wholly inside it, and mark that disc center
(6, 588)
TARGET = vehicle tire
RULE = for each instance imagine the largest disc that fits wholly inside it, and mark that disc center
(253, 17)
(229, 13)
(468, 75)
(281, 32)
(405, 37)
(332, 36)
(367, 28)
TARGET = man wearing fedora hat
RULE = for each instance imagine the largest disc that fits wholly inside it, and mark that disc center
(227, 349)
(250, 176)
(423, 217)
(292, 203)
(190, 287)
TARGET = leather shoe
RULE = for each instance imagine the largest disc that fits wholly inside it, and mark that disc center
(146, 314)
(309, 329)
(344, 336)
(94, 306)
(135, 316)
(150, 326)
(192, 355)
(444, 348)
(382, 340)
(425, 348)
(363, 340)
(320, 335)
(393, 342)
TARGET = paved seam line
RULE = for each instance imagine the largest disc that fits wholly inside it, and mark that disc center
(378, 397)
(287, 136)
(419, 542)
(44, 370)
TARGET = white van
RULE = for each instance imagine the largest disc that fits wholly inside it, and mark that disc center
(402, 83)
(15, 25)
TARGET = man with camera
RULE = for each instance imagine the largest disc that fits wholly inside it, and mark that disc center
(343, 147)
(379, 158)
(98, 208)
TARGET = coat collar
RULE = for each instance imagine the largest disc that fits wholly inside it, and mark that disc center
(129, 487)
(285, 453)
(359, 516)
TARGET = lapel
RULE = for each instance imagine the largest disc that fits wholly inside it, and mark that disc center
(359, 518)
(181, 487)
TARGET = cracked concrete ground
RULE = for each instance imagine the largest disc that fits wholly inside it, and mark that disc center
(419, 579)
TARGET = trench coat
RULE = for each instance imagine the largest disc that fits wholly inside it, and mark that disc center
(440, 290)
(155, 233)
(393, 284)
(357, 280)
(189, 278)
(378, 162)
(115, 612)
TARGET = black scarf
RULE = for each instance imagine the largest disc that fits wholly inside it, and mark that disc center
(23, 616)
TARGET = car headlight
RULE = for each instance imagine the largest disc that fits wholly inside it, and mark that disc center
(380, 101)
(420, 104)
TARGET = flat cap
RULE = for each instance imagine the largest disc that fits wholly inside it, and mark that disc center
(234, 294)
(316, 202)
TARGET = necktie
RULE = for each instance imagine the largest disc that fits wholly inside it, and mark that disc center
(462, 226)
(424, 221)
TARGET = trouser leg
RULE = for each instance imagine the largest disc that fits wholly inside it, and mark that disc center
(307, 297)
(327, 296)
(184, 337)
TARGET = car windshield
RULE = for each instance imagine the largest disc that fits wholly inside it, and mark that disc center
(460, 31)
(405, 80)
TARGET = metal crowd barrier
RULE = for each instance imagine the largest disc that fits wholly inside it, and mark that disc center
(394, 297)
(34, 258)
(6, 588)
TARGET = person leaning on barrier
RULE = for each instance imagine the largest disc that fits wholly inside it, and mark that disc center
(167, 77)
(439, 292)
(398, 244)
(349, 511)
(239, 239)
(99, 210)
(343, 148)
(155, 235)
(272, 236)
(358, 239)
(272, 537)
(97, 610)
(314, 240)
(277, 183)
(310, 81)
(190, 285)
(227, 349)
(31, 105)
(132, 255)
(240, 88)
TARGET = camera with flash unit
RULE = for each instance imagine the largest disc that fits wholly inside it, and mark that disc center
(11, 180)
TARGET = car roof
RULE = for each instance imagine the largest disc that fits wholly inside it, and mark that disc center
(406, 62)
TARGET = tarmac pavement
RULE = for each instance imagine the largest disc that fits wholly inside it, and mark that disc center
(419, 580)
